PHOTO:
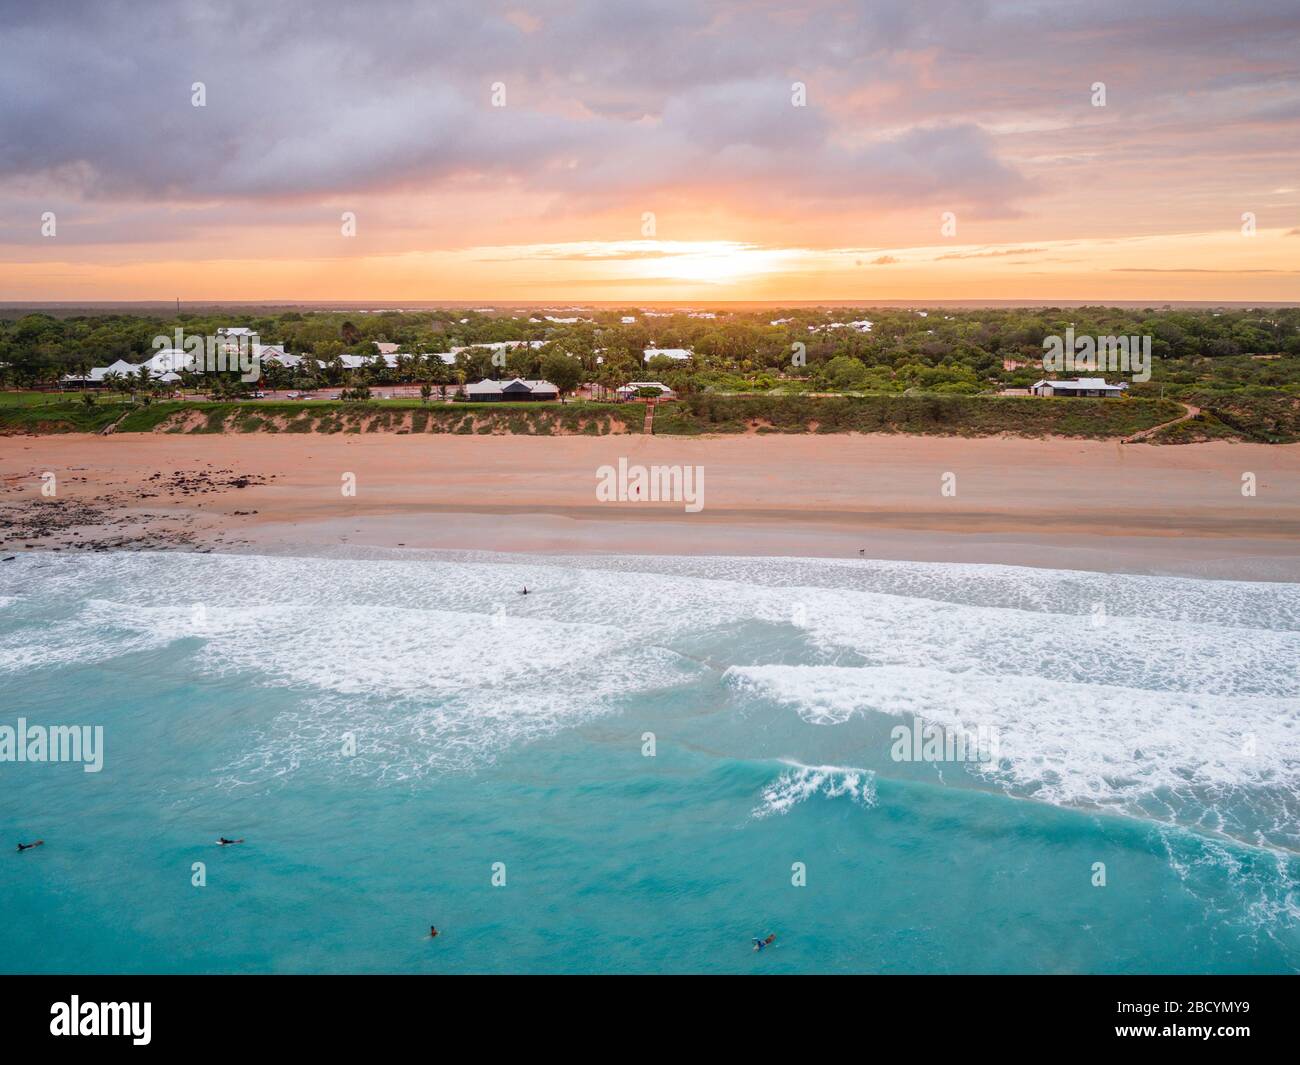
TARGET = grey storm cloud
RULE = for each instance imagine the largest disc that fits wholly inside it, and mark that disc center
(605, 100)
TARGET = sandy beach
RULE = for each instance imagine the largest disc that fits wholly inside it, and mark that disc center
(1057, 503)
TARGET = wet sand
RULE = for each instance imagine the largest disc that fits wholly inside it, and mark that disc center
(1059, 503)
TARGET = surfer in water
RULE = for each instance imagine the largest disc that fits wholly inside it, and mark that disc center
(525, 590)
(228, 842)
(759, 944)
(28, 846)
(433, 932)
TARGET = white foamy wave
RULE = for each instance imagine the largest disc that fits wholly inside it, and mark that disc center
(1263, 884)
(844, 611)
(79, 640)
(419, 689)
(453, 638)
(1248, 604)
(1135, 652)
(1151, 753)
(802, 782)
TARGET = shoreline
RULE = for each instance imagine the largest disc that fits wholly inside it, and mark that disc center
(1061, 504)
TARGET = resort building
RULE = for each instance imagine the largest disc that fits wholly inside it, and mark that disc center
(98, 376)
(1079, 386)
(518, 389)
(630, 390)
(169, 360)
(666, 353)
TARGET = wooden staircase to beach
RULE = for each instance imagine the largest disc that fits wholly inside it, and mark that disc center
(111, 427)
(649, 427)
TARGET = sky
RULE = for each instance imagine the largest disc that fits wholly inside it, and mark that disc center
(659, 150)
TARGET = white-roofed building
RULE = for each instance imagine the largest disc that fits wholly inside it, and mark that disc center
(98, 375)
(629, 390)
(1078, 386)
(679, 354)
(170, 360)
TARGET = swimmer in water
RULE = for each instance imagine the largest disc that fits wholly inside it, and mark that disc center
(28, 846)
(433, 932)
(228, 842)
(525, 591)
(759, 944)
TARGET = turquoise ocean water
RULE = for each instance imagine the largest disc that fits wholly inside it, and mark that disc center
(1148, 724)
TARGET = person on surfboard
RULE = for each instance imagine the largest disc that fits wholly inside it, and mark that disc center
(222, 841)
(759, 944)
(28, 846)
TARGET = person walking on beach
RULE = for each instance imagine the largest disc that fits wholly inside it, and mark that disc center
(759, 944)
(28, 846)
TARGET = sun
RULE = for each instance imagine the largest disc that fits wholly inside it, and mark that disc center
(717, 262)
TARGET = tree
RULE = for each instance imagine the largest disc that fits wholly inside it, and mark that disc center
(562, 371)
(844, 372)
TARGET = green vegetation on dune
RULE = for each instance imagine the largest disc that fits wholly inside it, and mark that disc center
(65, 417)
(935, 414)
(525, 419)
(1263, 415)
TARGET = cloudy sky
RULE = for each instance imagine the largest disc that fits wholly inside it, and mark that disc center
(669, 149)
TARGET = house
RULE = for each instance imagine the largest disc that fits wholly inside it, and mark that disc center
(1079, 386)
(275, 353)
(666, 353)
(234, 332)
(358, 362)
(386, 349)
(98, 376)
(518, 389)
(496, 345)
(169, 360)
(630, 390)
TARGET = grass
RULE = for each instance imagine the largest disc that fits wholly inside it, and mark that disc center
(1262, 415)
(947, 415)
(398, 416)
(1256, 414)
(40, 412)
(59, 399)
